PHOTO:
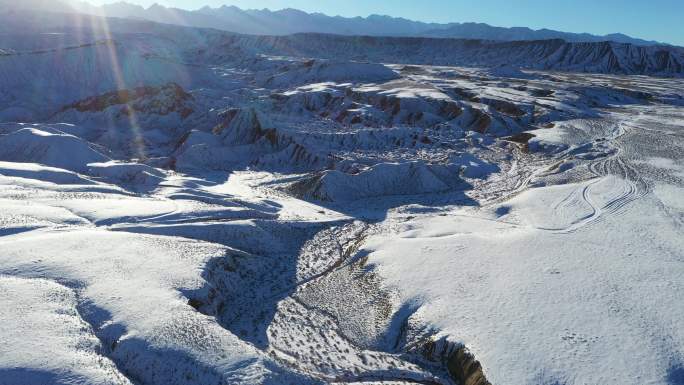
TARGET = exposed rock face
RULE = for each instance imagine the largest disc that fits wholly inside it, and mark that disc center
(373, 108)
(465, 368)
(391, 104)
(461, 364)
(242, 126)
(84, 65)
(161, 100)
(244, 137)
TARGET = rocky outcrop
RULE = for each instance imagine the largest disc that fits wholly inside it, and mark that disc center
(459, 361)
(389, 105)
(243, 126)
(383, 179)
(244, 137)
(161, 100)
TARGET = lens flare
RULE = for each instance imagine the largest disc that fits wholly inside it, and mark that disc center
(100, 28)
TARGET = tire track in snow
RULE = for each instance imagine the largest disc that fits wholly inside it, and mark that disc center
(617, 168)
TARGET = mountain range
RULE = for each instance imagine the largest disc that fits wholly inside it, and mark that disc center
(290, 21)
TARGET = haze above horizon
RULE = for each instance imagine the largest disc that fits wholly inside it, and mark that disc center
(658, 20)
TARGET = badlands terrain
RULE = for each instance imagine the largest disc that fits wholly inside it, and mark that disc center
(191, 206)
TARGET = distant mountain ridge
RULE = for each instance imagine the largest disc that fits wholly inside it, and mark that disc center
(551, 54)
(67, 29)
(487, 32)
(290, 21)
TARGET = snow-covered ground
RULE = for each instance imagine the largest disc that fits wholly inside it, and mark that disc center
(210, 216)
(568, 284)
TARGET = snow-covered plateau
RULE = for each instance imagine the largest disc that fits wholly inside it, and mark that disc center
(190, 206)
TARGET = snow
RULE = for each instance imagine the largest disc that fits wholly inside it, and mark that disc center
(597, 304)
(136, 174)
(565, 282)
(667, 164)
(43, 173)
(45, 340)
(48, 148)
(113, 269)
(232, 211)
(290, 208)
(402, 89)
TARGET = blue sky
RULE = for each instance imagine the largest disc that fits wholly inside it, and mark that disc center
(661, 20)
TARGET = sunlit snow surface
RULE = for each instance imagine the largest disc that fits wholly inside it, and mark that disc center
(234, 218)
